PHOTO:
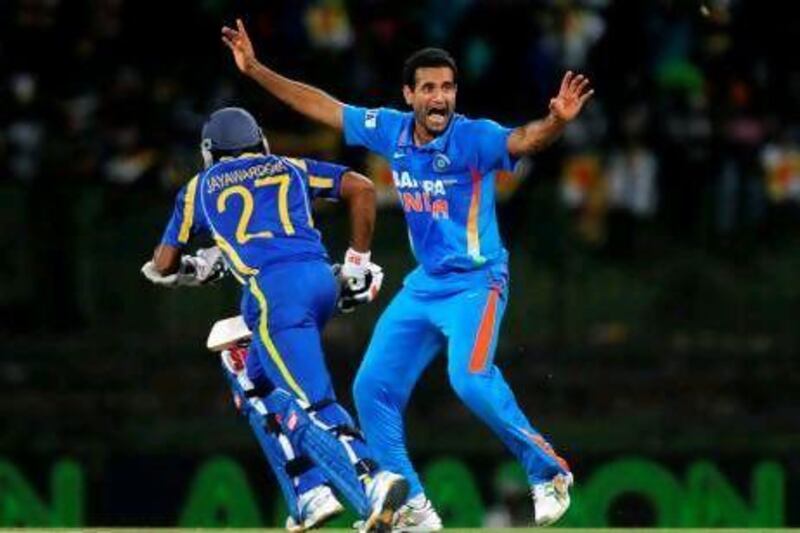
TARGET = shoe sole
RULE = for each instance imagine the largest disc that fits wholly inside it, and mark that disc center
(381, 521)
(554, 519)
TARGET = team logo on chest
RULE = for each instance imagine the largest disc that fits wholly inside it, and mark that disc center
(440, 162)
(422, 196)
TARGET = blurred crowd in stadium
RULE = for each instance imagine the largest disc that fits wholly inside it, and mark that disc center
(654, 249)
(695, 120)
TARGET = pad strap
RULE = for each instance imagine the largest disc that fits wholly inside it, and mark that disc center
(344, 430)
(298, 466)
(365, 467)
(316, 407)
(258, 391)
(272, 424)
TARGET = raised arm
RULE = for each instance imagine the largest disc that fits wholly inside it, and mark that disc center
(539, 134)
(307, 100)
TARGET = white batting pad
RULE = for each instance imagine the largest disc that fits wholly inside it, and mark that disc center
(226, 332)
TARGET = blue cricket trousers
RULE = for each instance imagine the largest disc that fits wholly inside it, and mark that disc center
(414, 328)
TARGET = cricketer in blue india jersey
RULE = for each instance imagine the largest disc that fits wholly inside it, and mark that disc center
(444, 166)
(257, 208)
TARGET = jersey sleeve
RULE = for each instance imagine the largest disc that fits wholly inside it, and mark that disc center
(324, 180)
(186, 220)
(492, 146)
(375, 129)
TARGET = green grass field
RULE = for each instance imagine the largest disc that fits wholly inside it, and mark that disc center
(447, 530)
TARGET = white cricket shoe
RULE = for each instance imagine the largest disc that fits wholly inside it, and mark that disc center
(551, 499)
(386, 492)
(317, 506)
(417, 515)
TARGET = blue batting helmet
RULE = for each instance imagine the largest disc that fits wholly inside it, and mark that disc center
(230, 129)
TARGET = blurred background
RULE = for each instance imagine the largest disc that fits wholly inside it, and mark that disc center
(652, 327)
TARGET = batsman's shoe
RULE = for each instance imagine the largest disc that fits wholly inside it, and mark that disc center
(317, 506)
(386, 492)
(417, 515)
(551, 499)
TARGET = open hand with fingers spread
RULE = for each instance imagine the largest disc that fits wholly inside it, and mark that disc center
(239, 43)
(574, 92)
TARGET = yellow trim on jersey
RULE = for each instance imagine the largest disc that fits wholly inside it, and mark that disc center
(300, 163)
(238, 277)
(243, 155)
(237, 262)
(320, 183)
(271, 349)
(188, 211)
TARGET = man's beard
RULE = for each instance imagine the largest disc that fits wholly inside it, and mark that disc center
(422, 118)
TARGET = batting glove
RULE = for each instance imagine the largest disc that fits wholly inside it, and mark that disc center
(361, 280)
(207, 266)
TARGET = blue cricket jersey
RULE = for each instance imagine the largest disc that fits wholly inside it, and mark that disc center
(446, 188)
(257, 208)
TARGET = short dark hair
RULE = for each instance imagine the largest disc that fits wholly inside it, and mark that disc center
(427, 57)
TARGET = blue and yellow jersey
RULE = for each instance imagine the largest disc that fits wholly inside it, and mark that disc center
(257, 209)
(446, 187)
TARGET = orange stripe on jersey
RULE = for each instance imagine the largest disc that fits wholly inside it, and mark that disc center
(473, 240)
(483, 341)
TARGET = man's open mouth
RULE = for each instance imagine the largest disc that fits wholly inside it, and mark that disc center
(437, 117)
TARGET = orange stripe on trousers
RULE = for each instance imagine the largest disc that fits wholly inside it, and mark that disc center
(483, 342)
(548, 449)
(545, 446)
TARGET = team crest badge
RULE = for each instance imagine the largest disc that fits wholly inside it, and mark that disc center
(440, 163)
